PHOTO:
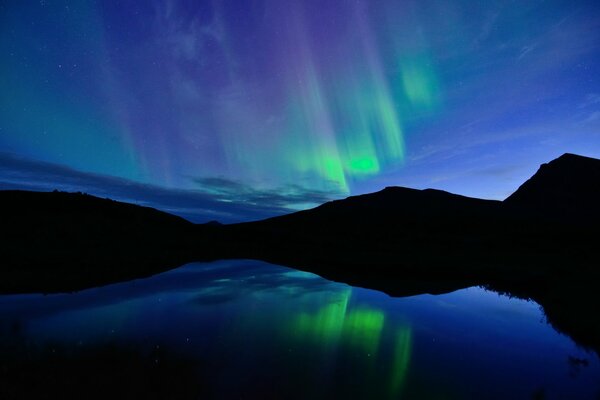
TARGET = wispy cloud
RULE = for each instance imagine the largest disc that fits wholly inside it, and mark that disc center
(593, 116)
(288, 196)
(526, 50)
(215, 199)
(590, 100)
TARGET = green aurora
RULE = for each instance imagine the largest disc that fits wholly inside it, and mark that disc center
(357, 329)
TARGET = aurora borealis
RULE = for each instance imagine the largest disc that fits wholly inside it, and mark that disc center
(270, 103)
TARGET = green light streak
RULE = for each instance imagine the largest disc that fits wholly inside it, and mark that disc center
(391, 129)
(333, 323)
(419, 83)
(366, 165)
(344, 126)
(326, 326)
(311, 142)
(401, 360)
(339, 328)
(363, 329)
(337, 127)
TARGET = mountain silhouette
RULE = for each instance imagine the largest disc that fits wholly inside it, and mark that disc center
(566, 188)
(539, 243)
(392, 207)
(422, 228)
(65, 241)
(549, 220)
(425, 233)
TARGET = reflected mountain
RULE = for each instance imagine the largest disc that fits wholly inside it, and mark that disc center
(540, 243)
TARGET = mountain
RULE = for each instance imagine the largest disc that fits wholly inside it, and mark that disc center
(541, 243)
(392, 226)
(394, 208)
(396, 233)
(401, 233)
(65, 241)
(567, 188)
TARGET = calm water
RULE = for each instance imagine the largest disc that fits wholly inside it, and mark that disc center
(245, 329)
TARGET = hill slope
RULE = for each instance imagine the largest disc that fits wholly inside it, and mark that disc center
(394, 233)
(566, 188)
(401, 231)
(64, 241)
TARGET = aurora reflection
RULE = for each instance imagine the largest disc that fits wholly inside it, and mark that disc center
(251, 329)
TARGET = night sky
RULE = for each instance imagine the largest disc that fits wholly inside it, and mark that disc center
(237, 110)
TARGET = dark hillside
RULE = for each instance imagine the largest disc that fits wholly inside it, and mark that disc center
(567, 189)
(72, 240)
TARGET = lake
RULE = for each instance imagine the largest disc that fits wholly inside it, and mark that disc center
(248, 329)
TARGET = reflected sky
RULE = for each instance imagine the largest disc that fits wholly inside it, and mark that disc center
(269, 330)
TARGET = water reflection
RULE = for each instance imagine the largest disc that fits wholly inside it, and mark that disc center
(235, 329)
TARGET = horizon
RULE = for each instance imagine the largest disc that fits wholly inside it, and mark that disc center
(235, 111)
(194, 206)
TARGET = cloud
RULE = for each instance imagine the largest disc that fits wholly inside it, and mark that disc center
(590, 100)
(216, 199)
(526, 50)
(288, 196)
(594, 116)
